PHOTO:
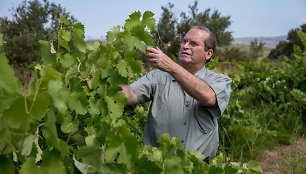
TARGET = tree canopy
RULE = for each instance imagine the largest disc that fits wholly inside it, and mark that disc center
(31, 21)
(171, 29)
(285, 48)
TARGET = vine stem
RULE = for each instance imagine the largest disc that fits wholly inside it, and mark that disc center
(29, 112)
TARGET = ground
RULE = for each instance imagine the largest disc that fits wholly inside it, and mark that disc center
(285, 159)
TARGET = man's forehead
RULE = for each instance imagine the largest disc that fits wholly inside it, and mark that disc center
(197, 34)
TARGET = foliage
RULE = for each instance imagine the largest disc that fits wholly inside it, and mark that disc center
(72, 120)
(170, 30)
(269, 106)
(286, 48)
(32, 21)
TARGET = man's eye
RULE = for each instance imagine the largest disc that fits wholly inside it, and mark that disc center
(193, 43)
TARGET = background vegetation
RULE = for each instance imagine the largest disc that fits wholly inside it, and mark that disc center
(70, 118)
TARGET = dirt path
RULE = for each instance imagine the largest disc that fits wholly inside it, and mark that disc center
(285, 159)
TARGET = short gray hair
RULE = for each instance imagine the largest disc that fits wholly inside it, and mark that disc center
(211, 41)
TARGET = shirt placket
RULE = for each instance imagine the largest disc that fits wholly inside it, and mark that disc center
(186, 117)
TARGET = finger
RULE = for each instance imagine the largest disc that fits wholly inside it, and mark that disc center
(152, 50)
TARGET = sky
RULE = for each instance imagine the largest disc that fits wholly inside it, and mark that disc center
(249, 18)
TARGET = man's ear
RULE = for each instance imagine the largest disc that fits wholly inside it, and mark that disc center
(210, 53)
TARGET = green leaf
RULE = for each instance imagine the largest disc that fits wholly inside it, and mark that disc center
(83, 168)
(148, 20)
(78, 102)
(68, 61)
(51, 164)
(78, 38)
(173, 166)
(64, 20)
(7, 166)
(113, 34)
(103, 132)
(66, 35)
(72, 72)
(123, 68)
(50, 133)
(45, 51)
(93, 107)
(215, 170)
(27, 145)
(116, 79)
(40, 107)
(9, 84)
(115, 110)
(229, 169)
(92, 156)
(64, 44)
(133, 21)
(16, 115)
(254, 166)
(69, 126)
(144, 164)
(59, 95)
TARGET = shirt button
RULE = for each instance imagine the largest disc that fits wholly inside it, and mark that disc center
(185, 123)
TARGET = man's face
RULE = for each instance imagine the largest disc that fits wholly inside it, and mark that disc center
(192, 48)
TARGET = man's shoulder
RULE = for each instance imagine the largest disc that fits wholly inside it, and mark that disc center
(211, 75)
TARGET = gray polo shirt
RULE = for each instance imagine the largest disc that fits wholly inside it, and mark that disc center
(173, 111)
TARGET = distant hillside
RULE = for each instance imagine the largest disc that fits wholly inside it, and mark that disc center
(270, 42)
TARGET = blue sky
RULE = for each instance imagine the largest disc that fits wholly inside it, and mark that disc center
(257, 18)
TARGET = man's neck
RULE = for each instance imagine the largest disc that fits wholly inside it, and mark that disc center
(191, 68)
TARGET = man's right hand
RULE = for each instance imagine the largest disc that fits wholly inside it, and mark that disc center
(129, 94)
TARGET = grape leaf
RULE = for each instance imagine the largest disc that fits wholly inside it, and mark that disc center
(69, 126)
(78, 102)
(123, 68)
(66, 35)
(64, 44)
(59, 95)
(254, 166)
(46, 56)
(113, 34)
(16, 116)
(63, 20)
(133, 21)
(27, 145)
(78, 38)
(68, 60)
(7, 166)
(148, 20)
(9, 84)
(51, 164)
(40, 107)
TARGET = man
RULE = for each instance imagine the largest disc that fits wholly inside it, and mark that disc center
(186, 99)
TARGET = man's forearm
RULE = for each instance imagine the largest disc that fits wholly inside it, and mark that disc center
(194, 86)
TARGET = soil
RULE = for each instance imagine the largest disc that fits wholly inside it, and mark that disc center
(285, 159)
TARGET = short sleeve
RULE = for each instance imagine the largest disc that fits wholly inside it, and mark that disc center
(221, 85)
(143, 88)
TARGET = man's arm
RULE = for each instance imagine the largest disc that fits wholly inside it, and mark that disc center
(194, 86)
(129, 94)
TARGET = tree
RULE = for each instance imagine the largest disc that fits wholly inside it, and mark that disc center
(32, 21)
(170, 30)
(285, 48)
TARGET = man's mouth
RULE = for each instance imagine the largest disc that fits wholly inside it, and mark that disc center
(185, 53)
